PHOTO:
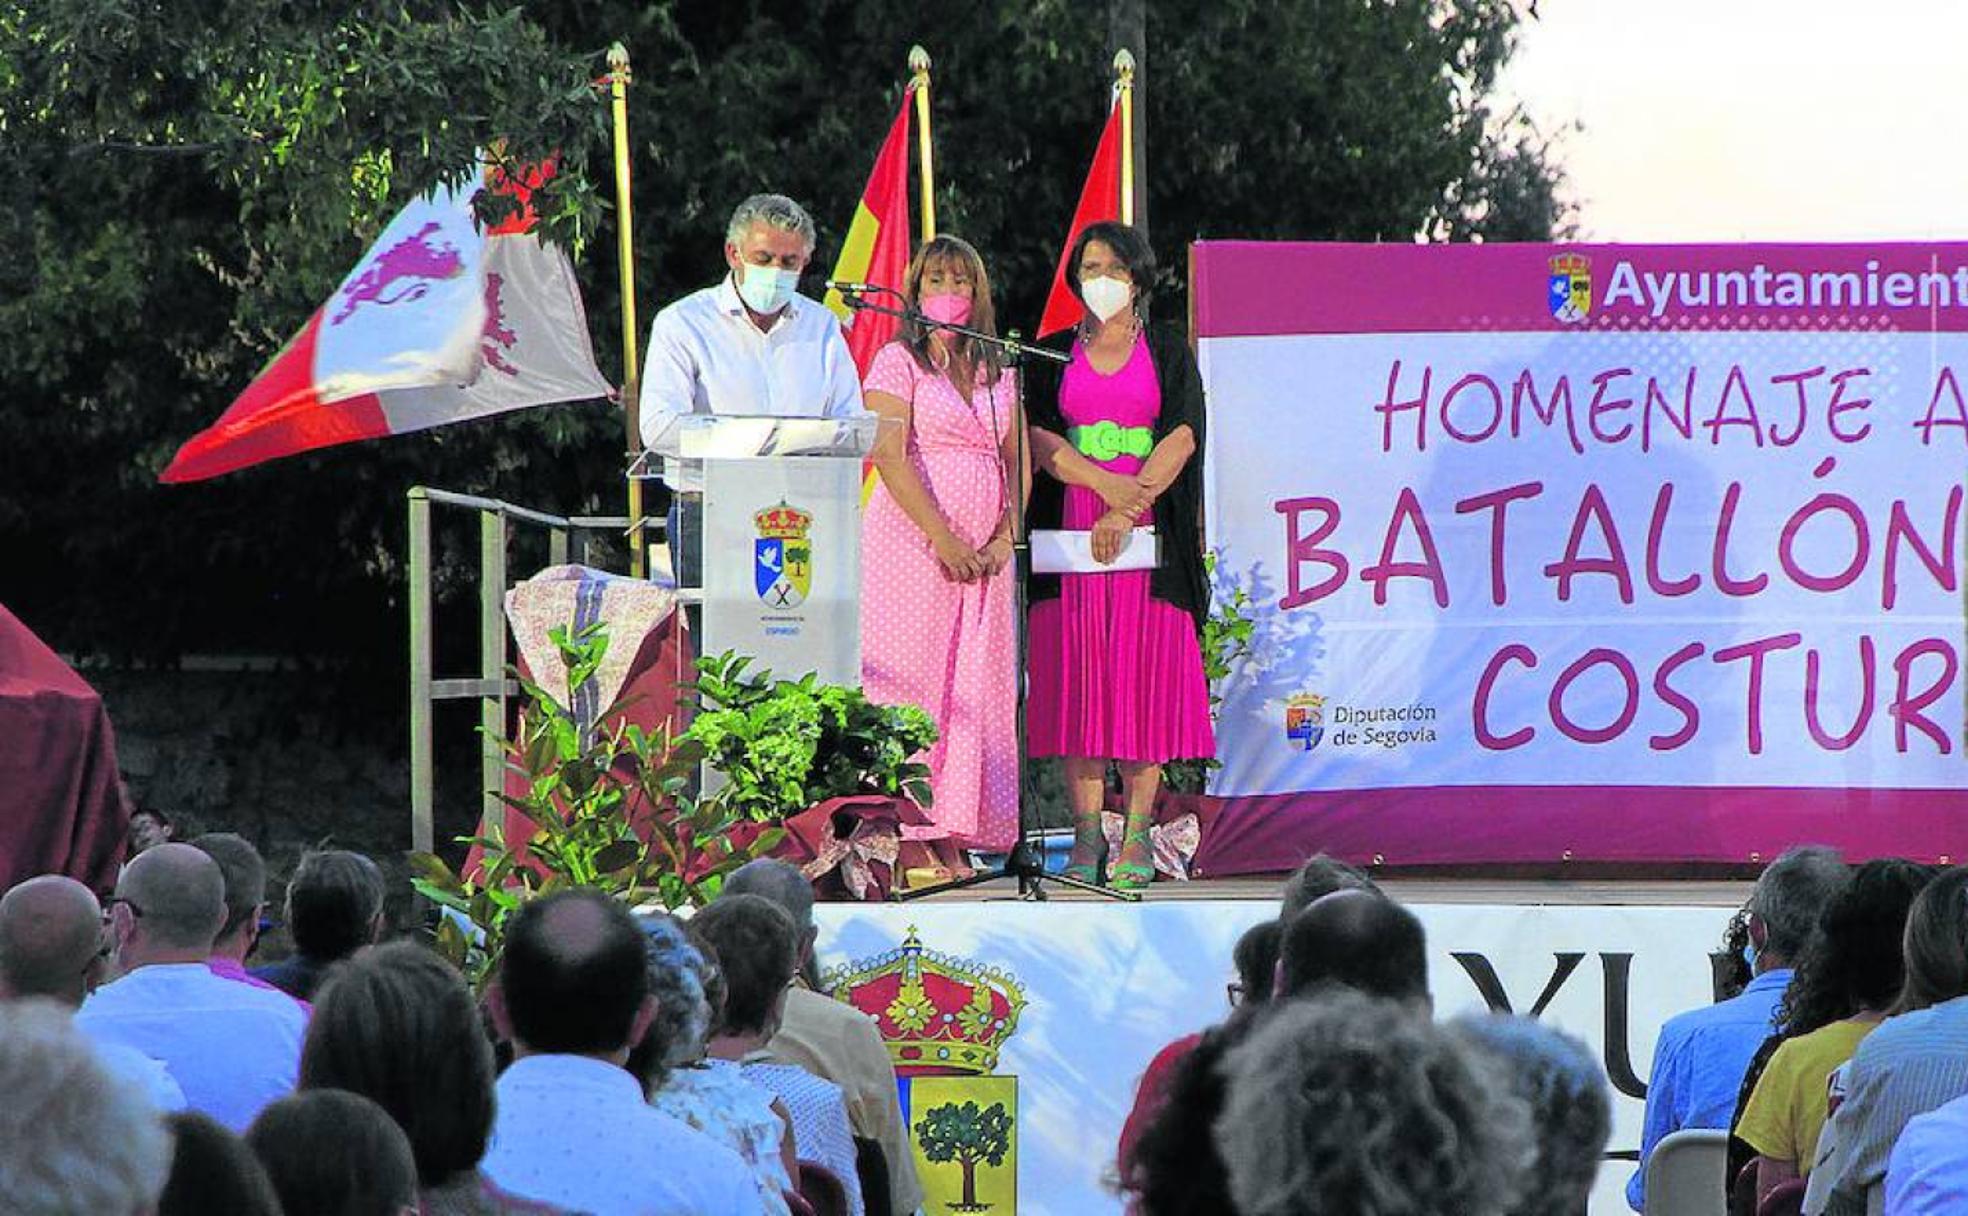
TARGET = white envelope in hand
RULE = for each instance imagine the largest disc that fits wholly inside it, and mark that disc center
(1061, 552)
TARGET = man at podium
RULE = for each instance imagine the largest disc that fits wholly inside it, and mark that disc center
(749, 345)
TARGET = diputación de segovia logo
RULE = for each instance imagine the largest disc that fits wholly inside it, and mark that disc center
(1569, 288)
(1305, 719)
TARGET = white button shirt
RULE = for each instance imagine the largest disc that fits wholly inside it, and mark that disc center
(232, 1048)
(706, 357)
(575, 1132)
(1928, 1172)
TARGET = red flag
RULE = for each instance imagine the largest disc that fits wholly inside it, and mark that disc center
(877, 246)
(439, 322)
(1100, 199)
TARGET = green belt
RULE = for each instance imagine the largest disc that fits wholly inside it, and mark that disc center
(1104, 441)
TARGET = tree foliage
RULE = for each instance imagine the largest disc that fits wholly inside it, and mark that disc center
(191, 179)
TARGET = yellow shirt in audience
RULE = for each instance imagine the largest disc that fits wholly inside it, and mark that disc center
(1787, 1110)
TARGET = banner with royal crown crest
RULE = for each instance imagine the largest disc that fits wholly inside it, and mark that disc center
(782, 563)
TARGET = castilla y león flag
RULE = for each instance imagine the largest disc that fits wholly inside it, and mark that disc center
(1100, 199)
(438, 323)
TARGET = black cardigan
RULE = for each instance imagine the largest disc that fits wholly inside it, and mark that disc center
(1178, 579)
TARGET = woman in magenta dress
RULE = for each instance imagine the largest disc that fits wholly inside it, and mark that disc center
(936, 605)
(1116, 666)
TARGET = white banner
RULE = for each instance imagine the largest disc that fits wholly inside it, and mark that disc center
(1073, 999)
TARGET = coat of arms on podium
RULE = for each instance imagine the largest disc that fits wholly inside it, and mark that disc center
(782, 555)
(944, 1020)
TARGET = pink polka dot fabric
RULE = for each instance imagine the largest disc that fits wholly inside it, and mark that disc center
(927, 640)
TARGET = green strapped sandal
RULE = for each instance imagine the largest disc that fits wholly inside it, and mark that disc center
(1136, 867)
(1089, 850)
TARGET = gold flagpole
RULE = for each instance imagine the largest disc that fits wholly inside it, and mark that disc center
(618, 96)
(919, 83)
(1124, 71)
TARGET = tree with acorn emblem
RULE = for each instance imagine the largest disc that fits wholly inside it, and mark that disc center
(967, 1135)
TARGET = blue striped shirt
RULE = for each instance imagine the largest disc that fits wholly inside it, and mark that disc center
(1912, 1064)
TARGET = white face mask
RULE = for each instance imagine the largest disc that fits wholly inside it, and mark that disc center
(765, 289)
(1107, 297)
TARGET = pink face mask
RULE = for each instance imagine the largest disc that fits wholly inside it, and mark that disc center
(947, 309)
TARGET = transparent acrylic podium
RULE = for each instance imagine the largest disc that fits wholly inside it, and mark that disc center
(781, 539)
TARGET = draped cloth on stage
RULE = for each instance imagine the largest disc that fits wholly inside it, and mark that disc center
(62, 807)
(648, 657)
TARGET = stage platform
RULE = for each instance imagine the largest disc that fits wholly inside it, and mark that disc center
(1503, 891)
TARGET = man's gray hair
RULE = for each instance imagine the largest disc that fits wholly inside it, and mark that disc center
(1343, 1103)
(73, 1137)
(1570, 1102)
(1792, 894)
(774, 211)
(779, 882)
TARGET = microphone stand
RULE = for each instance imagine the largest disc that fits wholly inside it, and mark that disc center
(1026, 861)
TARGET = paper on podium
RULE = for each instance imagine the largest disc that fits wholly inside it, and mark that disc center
(744, 436)
(1060, 552)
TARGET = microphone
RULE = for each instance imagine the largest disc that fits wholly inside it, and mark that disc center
(859, 289)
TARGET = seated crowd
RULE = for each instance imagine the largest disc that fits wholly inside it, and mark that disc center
(625, 1063)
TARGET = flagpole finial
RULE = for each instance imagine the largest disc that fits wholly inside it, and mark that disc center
(1124, 64)
(918, 61)
(618, 60)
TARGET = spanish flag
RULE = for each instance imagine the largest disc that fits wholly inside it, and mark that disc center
(877, 246)
(1100, 199)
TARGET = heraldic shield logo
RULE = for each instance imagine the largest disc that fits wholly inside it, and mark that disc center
(1305, 719)
(782, 555)
(1570, 293)
(944, 1020)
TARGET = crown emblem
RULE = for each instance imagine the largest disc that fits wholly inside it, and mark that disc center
(1570, 263)
(938, 1014)
(783, 522)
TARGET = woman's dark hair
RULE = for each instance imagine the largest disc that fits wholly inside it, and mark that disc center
(1855, 961)
(334, 1153)
(212, 1170)
(1256, 957)
(1937, 943)
(983, 314)
(757, 952)
(1176, 1170)
(398, 1025)
(1731, 973)
(1130, 248)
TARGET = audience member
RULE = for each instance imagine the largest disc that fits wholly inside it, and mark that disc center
(1317, 877)
(213, 1171)
(1915, 1061)
(149, 827)
(1256, 958)
(333, 1153)
(245, 903)
(757, 950)
(1927, 1174)
(1849, 975)
(334, 908)
(834, 1040)
(1702, 1055)
(1340, 1102)
(572, 1127)
(1358, 939)
(1570, 1103)
(398, 1025)
(712, 1096)
(52, 946)
(231, 1047)
(73, 1138)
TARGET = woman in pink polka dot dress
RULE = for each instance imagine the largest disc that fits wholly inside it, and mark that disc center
(936, 569)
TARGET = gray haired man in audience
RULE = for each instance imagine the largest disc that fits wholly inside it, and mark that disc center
(832, 1040)
(232, 1048)
(73, 1137)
